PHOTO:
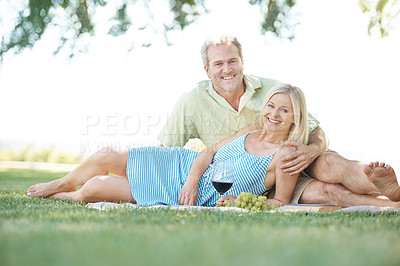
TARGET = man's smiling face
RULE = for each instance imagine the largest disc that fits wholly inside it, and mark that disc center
(225, 68)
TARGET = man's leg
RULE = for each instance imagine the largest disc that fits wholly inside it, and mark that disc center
(318, 192)
(330, 167)
(103, 162)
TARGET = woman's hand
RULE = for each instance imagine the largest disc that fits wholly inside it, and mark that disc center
(189, 193)
(230, 198)
(275, 202)
(300, 159)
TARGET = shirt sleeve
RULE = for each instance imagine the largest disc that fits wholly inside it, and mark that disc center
(313, 123)
(179, 127)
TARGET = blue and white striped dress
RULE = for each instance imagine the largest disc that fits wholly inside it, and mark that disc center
(157, 174)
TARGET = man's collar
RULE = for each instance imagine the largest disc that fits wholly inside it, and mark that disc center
(252, 83)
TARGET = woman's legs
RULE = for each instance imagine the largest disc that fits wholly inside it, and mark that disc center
(100, 188)
(105, 161)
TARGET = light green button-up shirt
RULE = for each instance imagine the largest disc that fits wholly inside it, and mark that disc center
(202, 113)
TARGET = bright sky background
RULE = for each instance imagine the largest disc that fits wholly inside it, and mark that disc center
(110, 96)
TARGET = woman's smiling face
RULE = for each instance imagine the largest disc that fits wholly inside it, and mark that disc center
(278, 113)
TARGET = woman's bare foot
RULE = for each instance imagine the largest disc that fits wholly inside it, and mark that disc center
(383, 178)
(43, 190)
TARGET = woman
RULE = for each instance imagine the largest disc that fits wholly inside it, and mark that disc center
(172, 176)
(284, 118)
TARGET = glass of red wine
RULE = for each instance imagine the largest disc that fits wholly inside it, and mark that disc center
(222, 176)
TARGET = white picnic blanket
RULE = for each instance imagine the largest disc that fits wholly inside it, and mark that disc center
(111, 205)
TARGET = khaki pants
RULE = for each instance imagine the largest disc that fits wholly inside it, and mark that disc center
(302, 182)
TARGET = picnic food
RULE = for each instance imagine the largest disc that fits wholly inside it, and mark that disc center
(248, 201)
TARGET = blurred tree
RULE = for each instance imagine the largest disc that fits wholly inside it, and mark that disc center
(278, 18)
(73, 20)
(384, 14)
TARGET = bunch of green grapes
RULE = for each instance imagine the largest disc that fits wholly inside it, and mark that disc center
(248, 201)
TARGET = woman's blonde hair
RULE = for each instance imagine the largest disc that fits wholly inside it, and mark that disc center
(299, 130)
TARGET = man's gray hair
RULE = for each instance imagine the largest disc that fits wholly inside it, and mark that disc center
(223, 40)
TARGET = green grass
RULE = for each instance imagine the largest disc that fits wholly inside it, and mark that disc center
(50, 232)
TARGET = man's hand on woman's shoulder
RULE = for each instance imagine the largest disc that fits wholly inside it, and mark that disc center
(298, 160)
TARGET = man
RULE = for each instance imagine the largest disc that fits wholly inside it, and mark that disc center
(230, 103)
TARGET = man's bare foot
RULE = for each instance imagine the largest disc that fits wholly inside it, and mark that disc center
(383, 178)
(43, 190)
